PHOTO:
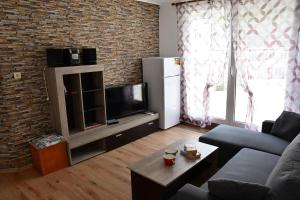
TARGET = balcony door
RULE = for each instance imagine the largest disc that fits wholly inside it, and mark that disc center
(236, 56)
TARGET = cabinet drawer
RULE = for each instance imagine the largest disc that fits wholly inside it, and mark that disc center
(117, 140)
(130, 135)
(146, 129)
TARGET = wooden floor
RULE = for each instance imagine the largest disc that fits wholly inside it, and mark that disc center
(103, 177)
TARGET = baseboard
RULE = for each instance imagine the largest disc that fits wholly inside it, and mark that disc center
(14, 170)
(208, 127)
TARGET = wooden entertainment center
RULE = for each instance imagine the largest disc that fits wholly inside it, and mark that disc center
(77, 97)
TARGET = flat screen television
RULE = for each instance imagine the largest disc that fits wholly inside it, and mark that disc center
(126, 100)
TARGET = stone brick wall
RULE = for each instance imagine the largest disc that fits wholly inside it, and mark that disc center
(123, 31)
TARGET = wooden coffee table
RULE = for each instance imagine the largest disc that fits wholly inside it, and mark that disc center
(152, 179)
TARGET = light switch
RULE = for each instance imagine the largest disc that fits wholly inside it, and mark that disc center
(17, 75)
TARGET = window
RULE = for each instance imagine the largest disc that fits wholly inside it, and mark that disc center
(236, 56)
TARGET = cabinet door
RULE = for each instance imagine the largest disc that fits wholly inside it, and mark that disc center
(171, 102)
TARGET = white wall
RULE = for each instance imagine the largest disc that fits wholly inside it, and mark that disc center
(168, 30)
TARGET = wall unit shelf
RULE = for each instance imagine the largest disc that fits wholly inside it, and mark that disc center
(89, 143)
(125, 123)
(77, 97)
(86, 151)
(75, 107)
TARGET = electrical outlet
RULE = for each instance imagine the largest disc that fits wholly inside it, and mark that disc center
(17, 75)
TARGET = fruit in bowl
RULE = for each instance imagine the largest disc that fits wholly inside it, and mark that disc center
(171, 151)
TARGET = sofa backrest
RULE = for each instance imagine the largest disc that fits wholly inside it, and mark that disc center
(284, 181)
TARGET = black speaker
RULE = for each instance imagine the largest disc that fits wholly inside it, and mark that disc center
(89, 56)
(55, 57)
(72, 57)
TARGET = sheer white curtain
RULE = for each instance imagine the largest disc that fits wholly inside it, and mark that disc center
(265, 35)
(292, 98)
(204, 41)
(263, 39)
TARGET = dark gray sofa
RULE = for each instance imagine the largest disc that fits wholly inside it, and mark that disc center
(231, 140)
(258, 158)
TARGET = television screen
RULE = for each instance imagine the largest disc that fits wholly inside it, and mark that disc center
(126, 100)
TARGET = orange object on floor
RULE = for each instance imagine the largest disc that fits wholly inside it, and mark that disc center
(51, 158)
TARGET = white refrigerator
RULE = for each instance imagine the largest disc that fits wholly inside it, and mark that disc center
(162, 76)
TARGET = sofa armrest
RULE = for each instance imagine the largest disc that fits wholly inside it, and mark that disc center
(190, 192)
(267, 126)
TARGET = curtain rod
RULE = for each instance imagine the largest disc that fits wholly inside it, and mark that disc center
(183, 2)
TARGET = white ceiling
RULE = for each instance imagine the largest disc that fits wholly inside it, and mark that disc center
(159, 2)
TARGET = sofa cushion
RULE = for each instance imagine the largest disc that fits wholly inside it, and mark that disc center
(237, 190)
(267, 126)
(284, 180)
(230, 137)
(287, 126)
(247, 165)
(191, 192)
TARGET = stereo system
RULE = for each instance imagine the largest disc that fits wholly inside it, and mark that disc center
(89, 56)
(71, 57)
(55, 57)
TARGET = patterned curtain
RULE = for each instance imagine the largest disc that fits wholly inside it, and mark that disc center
(266, 46)
(204, 45)
(292, 100)
(265, 38)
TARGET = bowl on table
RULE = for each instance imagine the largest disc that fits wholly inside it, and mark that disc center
(171, 151)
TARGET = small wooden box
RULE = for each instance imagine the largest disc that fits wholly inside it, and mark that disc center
(50, 159)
